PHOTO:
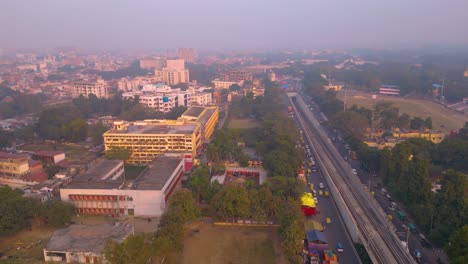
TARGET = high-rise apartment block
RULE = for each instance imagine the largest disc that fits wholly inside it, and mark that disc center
(152, 63)
(174, 72)
(236, 76)
(98, 87)
(188, 54)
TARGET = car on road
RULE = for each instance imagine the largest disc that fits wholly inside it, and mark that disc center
(412, 227)
(354, 172)
(339, 247)
(328, 220)
(313, 191)
(326, 193)
(320, 192)
(346, 146)
(417, 254)
(388, 197)
(321, 185)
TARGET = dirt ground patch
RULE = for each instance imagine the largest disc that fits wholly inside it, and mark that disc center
(235, 245)
(443, 119)
(243, 123)
(26, 246)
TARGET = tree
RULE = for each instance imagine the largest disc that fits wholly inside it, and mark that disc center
(6, 139)
(17, 211)
(118, 153)
(291, 228)
(182, 199)
(457, 251)
(351, 123)
(417, 123)
(404, 121)
(231, 202)
(57, 213)
(452, 206)
(234, 87)
(96, 132)
(76, 130)
(428, 123)
(199, 182)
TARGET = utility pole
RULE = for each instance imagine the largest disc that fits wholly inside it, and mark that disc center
(442, 92)
(345, 97)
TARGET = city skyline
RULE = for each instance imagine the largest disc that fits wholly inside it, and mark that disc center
(209, 24)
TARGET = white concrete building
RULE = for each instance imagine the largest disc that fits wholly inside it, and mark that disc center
(174, 72)
(220, 84)
(98, 88)
(202, 99)
(161, 98)
(103, 190)
(84, 243)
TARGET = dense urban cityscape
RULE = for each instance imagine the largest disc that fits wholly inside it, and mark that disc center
(189, 153)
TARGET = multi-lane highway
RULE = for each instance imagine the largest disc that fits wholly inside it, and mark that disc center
(362, 212)
(336, 231)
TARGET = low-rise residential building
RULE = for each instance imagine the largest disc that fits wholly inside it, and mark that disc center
(220, 84)
(84, 243)
(202, 99)
(46, 156)
(104, 189)
(98, 88)
(159, 97)
(374, 137)
(13, 165)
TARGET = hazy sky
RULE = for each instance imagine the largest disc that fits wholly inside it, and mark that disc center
(233, 24)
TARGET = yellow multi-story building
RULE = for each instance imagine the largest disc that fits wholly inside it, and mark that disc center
(374, 137)
(434, 136)
(148, 138)
(12, 165)
(206, 116)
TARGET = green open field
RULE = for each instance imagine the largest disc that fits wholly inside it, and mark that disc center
(243, 123)
(235, 245)
(443, 119)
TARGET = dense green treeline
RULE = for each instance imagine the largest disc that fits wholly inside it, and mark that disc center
(13, 103)
(19, 212)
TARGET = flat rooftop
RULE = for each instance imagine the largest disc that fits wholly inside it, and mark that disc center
(157, 174)
(154, 177)
(91, 179)
(208, 113)
(194, 111)
(87, 238)
(156, 129)
(6, 155)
